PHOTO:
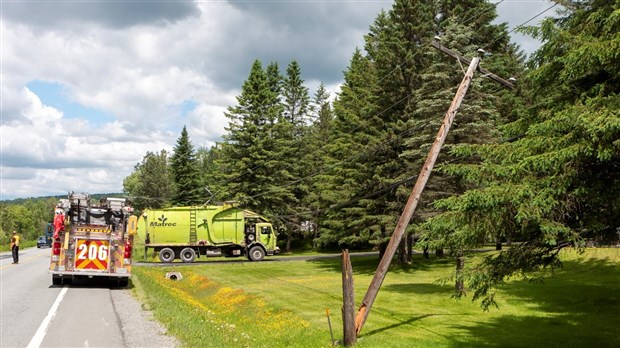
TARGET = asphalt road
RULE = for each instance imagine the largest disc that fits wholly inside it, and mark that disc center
(35, 313)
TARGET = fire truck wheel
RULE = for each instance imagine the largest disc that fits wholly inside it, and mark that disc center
(188, 255)
(256, 253)
(166, 255)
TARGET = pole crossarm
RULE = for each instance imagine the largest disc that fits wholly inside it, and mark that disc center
(464, 60)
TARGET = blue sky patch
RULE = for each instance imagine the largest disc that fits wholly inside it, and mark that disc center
(55, 95)
(187, 107)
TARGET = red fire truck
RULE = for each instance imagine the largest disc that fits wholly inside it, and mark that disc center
(96, 240)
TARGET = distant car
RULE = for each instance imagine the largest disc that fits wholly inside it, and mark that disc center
(42, 241)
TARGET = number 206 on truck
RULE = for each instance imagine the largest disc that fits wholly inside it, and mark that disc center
(92, 239)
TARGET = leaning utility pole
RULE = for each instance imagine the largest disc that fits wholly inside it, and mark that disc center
(425, 173)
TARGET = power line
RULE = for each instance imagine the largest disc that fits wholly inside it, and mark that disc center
(522, 24)
(375, 148)
(398, 66)
(465, 22)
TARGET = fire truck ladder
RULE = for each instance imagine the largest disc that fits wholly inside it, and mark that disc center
(193, 238)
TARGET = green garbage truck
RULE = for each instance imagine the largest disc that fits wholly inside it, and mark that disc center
(186, 233)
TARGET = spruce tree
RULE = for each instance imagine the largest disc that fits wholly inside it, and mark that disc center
(345, 170)
(253, 164)
(185, 173)
(241, 146)
(318, 138)
(370, 114)
(397, 46)
(295, 147)
(555, 180)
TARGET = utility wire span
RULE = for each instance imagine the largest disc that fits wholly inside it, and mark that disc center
(522, 24)
(351, 131)
(375, 148)
(352, 158)
(475, 16)
(531, 19)
(407, 60)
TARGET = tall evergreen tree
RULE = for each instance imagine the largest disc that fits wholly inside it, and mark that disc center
(253, 163)
(294, 124)
(319, 137)
(241, 145)
(345, 171)
(321, 112)
(185, 173)
(556, 179)
(397, 47)
(370, 113)
(295, 97)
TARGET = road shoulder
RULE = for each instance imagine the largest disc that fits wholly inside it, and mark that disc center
(139, 327)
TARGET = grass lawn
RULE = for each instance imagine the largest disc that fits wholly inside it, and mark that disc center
(282, 304)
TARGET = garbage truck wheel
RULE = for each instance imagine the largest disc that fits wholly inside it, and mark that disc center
(188, 255)
(166, 255)
(256, 253)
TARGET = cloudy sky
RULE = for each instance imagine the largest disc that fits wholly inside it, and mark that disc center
(89, 86)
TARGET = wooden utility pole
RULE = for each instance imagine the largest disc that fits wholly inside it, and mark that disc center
(412, 202)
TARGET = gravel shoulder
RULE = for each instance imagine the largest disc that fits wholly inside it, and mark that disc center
(139, 327)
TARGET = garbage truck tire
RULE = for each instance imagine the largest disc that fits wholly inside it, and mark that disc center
(166, 255)
(256, 253)
(188, 255)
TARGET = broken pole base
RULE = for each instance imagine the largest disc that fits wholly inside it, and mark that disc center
(348, 298)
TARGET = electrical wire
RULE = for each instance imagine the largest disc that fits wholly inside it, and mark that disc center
(398, 66)
(475, 16)
(522, 24)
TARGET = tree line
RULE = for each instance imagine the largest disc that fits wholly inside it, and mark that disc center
(29, 216)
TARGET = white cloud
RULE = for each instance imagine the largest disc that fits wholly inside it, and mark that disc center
(153, 69)
(48, 154)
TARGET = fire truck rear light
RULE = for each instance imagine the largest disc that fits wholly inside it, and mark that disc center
(55, 258)
(56, 248)
(128, 250)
